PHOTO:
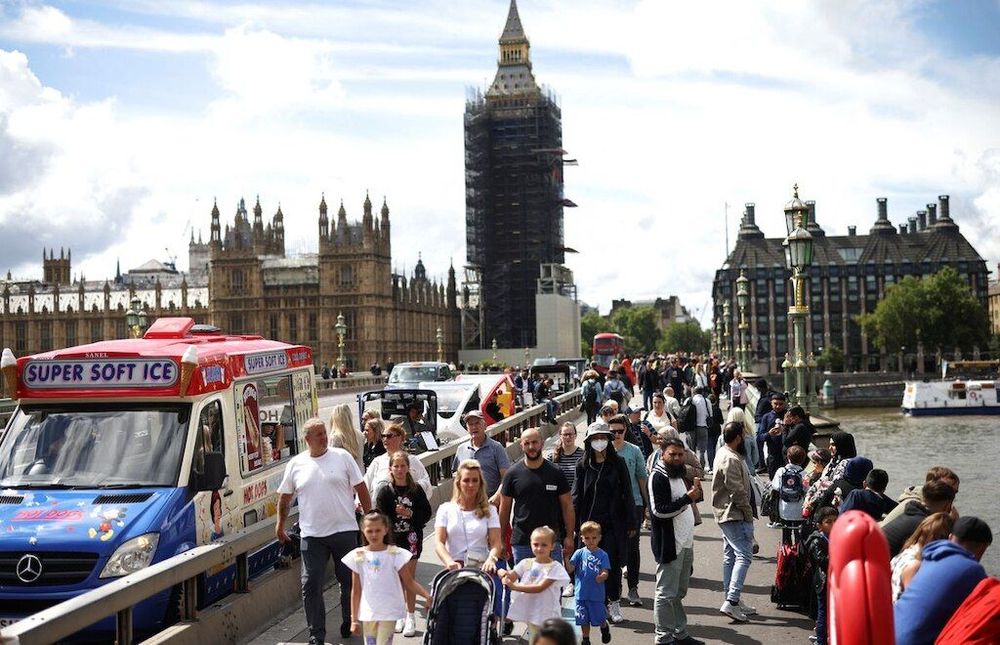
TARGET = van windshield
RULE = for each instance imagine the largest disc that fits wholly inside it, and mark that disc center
(94, 446)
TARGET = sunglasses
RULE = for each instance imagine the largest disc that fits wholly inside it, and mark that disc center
(389, 435)
(618, 431)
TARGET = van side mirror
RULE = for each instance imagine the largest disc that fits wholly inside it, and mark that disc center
(214, 476)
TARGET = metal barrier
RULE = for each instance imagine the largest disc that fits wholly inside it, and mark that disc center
(355, 380)
(117, 598)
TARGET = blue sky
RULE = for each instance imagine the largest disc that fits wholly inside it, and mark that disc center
(121, 120)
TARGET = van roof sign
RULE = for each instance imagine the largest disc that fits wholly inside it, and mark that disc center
(151, 365)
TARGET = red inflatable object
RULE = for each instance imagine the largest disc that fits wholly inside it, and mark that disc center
(859, 583)
(977, 620)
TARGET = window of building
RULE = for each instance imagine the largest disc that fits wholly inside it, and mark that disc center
(45, 340)
(346, 276)
(313, 335)
(850, 254)
(273, 325)
(20, 337)
(265, 422)
(96, 333)
(293, 327)
(121, 330)
(236, 280)
(71, 339)
(236, 323)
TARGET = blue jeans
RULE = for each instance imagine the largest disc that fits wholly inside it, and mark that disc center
(737, 553)
(821, 617)
(316, 552)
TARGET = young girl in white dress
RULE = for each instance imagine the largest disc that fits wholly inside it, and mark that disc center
(379, 576)
(535, 583)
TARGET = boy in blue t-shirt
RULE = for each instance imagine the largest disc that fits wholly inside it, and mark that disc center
(591, 565)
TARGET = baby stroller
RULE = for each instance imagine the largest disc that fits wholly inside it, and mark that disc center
(462, 609)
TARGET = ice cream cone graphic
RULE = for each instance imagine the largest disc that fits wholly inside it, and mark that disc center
(189, 361)
(9, 366)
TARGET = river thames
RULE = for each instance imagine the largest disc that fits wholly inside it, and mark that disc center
(906, 447)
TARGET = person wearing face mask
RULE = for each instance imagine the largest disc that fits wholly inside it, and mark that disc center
(733, 506)
(602, 493)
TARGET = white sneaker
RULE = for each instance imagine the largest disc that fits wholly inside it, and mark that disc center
(615, 612)
(409, 626)
(747, 609)
(734, 612)
(399, 625)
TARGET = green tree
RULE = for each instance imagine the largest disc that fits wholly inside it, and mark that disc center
(939, 311)
(638, 326)
(591, 323)
(832, 359)
(685, 337)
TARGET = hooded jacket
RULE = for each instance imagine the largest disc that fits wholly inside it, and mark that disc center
(901, 528)
(947, 575)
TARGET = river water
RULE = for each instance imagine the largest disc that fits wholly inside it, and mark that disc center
(906, 447)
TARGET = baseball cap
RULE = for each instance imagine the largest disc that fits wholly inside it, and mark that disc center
(969, 528)
(630, 410)
(474, 413)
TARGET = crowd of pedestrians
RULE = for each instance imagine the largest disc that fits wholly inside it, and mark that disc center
(566, 522)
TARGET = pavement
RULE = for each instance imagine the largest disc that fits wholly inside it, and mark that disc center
(702, 603)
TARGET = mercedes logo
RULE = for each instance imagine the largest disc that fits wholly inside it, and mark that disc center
(29, 568)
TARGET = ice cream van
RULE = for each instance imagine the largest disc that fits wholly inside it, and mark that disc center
(124, 453)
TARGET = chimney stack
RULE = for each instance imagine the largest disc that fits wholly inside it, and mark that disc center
(810, 212)
(750, 215)
(902, 229)
(913, 224)
(921, 220)
(945, 209)
(852, 231)
(883, 208)
(931, 214)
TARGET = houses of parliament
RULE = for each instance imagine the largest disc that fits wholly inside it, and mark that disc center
(243, 281)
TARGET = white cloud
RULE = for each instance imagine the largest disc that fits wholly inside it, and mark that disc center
(672, 109)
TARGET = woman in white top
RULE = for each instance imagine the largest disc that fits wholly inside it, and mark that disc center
(467, 529)
(344, 435)
(936, 526)
(377, 474)
(659, 417)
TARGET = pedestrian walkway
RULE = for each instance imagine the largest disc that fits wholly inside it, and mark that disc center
(702, 602)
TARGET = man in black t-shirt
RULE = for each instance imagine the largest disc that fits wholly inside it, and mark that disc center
(537, 492)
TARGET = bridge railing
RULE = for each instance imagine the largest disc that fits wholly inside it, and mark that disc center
(354, 381)
(118, 597)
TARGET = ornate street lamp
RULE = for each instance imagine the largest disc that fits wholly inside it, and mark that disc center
(742, 299)
(798, 257)
(341, 328)
(135, 318)
(440, 341)
(725, 329)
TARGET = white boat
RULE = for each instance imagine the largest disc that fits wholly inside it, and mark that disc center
(954, 396)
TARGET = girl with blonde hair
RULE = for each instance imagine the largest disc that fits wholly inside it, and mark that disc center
(344, 435)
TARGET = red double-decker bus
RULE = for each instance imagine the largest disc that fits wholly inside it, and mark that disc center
(608, 347)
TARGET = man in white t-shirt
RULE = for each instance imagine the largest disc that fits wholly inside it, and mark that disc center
(325, 481)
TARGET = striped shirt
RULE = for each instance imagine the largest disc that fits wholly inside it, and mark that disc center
(568, 464)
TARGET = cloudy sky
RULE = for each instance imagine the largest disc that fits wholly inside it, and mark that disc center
(121, 120)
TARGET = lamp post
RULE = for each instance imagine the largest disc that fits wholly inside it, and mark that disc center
(135, 318)
(341, 328)
(493, 345)
(725, 329)
(742, 299)
(798, 257)
(811, 365)
(440, 341)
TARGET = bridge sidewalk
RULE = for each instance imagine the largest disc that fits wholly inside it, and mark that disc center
(702, 603)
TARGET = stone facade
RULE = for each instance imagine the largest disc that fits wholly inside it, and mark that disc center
(255, 288)
(848, 276)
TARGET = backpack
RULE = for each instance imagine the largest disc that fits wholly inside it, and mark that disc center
(792, 489)
(687, 417)
(590, 393)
